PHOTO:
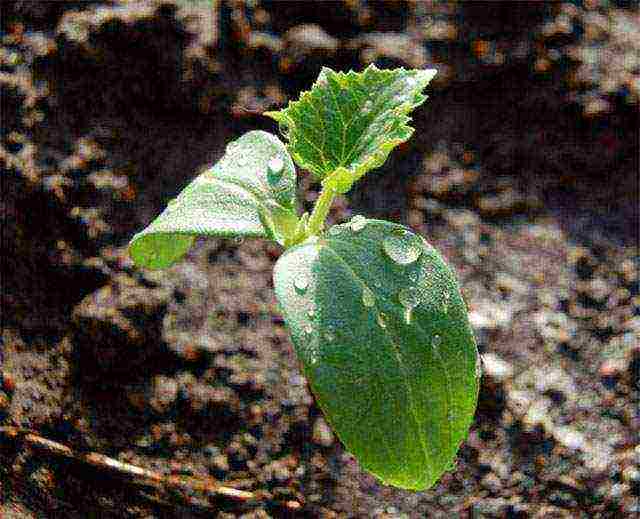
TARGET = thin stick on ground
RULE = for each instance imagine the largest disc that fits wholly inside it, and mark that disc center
(208, 487)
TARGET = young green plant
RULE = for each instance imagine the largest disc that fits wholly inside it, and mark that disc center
(375, 313)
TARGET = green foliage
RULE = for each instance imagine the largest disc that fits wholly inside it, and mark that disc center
(378, 322)
(348, 123)
(375, 314)
(250, 192)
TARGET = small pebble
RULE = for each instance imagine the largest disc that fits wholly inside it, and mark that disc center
(322, 434)
(496, 367)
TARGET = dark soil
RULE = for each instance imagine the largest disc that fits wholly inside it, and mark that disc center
(523, 172)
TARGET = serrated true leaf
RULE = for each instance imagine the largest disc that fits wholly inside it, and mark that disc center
(378, 321)
(251, 191)
(352, 120)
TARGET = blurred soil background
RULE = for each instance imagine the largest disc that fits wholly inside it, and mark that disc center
(523, 171)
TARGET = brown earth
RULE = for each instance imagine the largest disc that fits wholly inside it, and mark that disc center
(523, 172)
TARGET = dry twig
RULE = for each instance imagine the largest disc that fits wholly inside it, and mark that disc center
(137, 475)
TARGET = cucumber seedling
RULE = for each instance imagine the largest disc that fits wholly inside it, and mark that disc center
(375, 313)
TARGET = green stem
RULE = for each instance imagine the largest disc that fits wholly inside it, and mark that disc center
(320, 210)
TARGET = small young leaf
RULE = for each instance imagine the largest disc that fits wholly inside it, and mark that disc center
(251, 191)
(388, 349)
(352, 120)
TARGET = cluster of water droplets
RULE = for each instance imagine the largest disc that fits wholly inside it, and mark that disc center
(445, 302)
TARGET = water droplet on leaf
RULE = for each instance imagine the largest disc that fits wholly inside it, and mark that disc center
(436, 342)
(382, 320)
(275, 165)
(307, 329)
(368, 298)
(358, 223)
(402, 247)
(301, 283)
(409, 299)
(445, 302)
(275, 168)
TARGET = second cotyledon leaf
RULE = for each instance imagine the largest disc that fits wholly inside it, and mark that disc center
(250, 191)
(377, 320)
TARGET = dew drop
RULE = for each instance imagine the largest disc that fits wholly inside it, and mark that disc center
(275, 168)
(368, 298)
(301, 283)
(409, 299)
(357, 223)
(275, 165)
(436, 342)
(382, 320)
(445, 302)
(307, 329)
(402, 247)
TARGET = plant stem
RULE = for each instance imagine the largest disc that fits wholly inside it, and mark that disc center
(320, 210)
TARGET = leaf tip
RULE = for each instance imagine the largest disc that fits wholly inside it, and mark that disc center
(428, 74)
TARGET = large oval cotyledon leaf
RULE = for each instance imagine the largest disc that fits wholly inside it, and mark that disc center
(380, 326)
(251, 191)
(349, 122)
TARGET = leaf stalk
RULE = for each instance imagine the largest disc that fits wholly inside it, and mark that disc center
(321, 210)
